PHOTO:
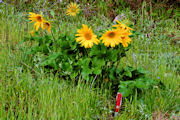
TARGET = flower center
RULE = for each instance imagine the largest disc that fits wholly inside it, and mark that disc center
(122, 37)
(39, 19)
(111, 34)
(47, 24)
(88, 36)
(73, 9)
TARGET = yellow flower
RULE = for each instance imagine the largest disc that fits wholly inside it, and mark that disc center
(32, 32)
(86, 37)
(47, 25)
(111, 38)
(37, 18)
(122, 26)
(72, 9)
(125, 40)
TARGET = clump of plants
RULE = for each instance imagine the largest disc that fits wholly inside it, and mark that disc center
(86, 56)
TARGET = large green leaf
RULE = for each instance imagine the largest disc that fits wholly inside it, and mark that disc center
(50, 60)
(85, 73)
(97, 70)
(98, 51)
(112, 54)
(141, 70)
(84, 63)
(126, 88)
(128, 73)
(67, 67)
(98, 62)
(112, 73)
(140, 83)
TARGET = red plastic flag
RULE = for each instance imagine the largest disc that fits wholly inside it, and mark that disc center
(118, 103)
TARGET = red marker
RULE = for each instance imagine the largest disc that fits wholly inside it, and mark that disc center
(118, 103)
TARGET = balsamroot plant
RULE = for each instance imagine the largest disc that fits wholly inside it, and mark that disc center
(89, 57)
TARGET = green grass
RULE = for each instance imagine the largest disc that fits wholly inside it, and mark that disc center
(26, 94)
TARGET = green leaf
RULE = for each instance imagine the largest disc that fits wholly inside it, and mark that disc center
(42, 48)
(53, 29)
(84, 62)
(67, 67)
(50, 59)
(141, 70)
(125, 91)
(97, 70)
(126, 88)
(113, 54)
(140, 83)
(128, 68)
(98, 50)
(98, 62)
(52, 13)
(112, 73)
(73, 75)
(128, 74)
(85, 73)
